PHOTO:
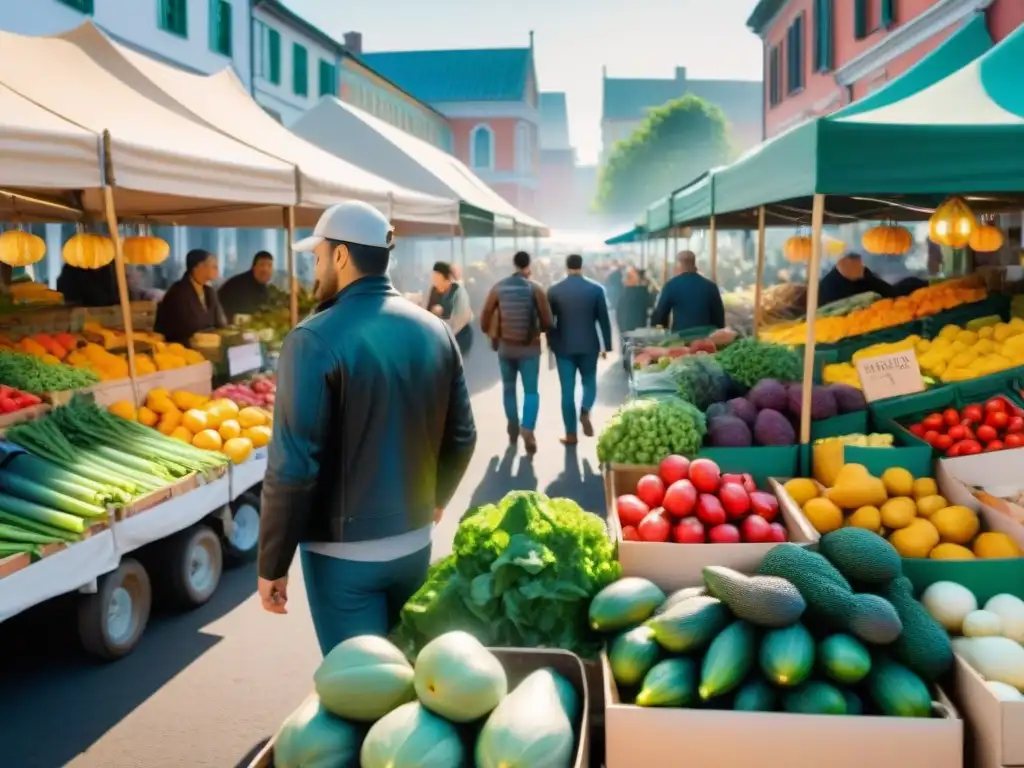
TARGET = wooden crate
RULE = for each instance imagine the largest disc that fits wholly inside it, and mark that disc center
(25, 414)
(29, 320)
(14, 563)
(143, 316)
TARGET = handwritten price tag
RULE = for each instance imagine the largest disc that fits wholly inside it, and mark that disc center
(897, 373)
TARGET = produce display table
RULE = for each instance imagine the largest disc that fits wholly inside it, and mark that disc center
(248, 474)
(65, 571)
(171, 516)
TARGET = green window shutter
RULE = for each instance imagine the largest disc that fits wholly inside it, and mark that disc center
(860, 19)
(328, 79)
(221, 40)
(173, 17)
(300, 70)
(823, 35)
(83, 6)
(274, 55)
(887, 13)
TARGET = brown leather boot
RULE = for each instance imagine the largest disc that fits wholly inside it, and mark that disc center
(513, 431)
(568, 440)
(588, 427)
(529, 440)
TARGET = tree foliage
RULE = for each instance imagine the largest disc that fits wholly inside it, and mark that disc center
(676, 142)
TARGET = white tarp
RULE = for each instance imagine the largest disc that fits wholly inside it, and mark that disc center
(162, 161)
(222, 103)
(403, 158)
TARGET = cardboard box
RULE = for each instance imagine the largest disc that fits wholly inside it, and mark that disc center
(995, 729)
(685, 738)
(674, 566)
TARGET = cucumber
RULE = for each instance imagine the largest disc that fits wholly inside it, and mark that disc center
(669, 683)
(815, 698)
(728, 661)
(679, 596)
(755, 696)
(787, 656)
(767, 601)
(844, 659)
(632, 655)
(897, 691)
(624, 603)
(862, 556)
(854, 705)
(690, 625)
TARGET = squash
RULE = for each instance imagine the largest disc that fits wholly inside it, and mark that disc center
(952, 224)
(311, 736)
(854, 488)
(986, 239)
(88, 251)
(411, 735)
(1010, 610)
(532, 727)
(458, 678)
(19, 248)
(887, 240)
(364, 678)
(797, 249)
(997, 659)
(145, 251)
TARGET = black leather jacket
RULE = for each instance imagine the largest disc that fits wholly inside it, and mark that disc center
(373, 427)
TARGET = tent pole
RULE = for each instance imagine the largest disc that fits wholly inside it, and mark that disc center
(462, 248)
(122, 284)
(451, 244)
(813, 276)
(759, 274)
(664, 261)
(713, 249)
(293, 283)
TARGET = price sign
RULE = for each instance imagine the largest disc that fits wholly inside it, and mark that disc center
(244, 358)
(896, 373)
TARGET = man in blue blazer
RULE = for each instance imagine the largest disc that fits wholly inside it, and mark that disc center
(578, 307)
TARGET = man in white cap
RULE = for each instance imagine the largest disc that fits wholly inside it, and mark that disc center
(373, 431)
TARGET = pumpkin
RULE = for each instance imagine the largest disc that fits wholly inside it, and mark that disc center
(144, 250)
(986, 239)
(19, 248)
(834, 248)
(952, 224)
(88, 251)
(797, 249)
(886, 239)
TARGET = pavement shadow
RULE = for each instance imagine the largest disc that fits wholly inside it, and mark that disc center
(42, 664)
(578, 481)
(612, 385)
(499, 479)
(481, 365)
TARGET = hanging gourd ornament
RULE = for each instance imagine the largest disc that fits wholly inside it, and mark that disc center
(888, 240)
(88, 251)
(145, 250)
(797, 249)
(19, 248)
(952, 224)
(986, 238)
(834, 248)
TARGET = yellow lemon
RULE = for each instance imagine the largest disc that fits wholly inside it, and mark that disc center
(951, 552)
(925, 486)
(869, 518)
(898, 481)
(180, 433)
(237, 449)
(229, 429)
(147, 417)
(802, 490)
(824, 515)
(124, 409)
(916, 540)
(208, 440)
(929, 505)
(996, 545)
(898, 513)
(259, 436)
(956, 524)
(195, 420)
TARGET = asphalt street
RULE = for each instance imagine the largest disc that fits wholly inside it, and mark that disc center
(206, 688)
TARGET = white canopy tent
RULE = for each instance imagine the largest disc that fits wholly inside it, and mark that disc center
(221, 103)
(347, 131)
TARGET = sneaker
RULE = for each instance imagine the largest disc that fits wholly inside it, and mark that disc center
(513, 431)
(588, 427)
(529, 440)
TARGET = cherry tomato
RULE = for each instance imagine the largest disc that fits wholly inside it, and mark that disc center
(995, 445)
(943, 442)
(972, 414)
(933, 421)
(931, 436)
(996, 404)
(968, 433)
(969, 447)
(951, 416)
(917, 429)
(987, 433)
(1014, 440)
(957, 432)
(1015, 424)
(997, 419)
(954, 450)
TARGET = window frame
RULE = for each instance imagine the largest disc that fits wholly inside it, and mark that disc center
(86, 7)
(299, 51)
(473, 159)
(225, 46)
(165, 15)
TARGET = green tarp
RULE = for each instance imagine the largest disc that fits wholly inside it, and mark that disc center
(630, 236)
(659, 215)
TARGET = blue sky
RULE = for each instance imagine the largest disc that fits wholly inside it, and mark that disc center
(573, 39)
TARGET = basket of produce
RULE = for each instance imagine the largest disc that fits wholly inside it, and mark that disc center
(458, 704)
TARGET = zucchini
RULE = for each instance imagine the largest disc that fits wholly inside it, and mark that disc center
(897, 691)
(624, 603)
(669, 683)
(844, 659)
(755, 696)
(632, 654)
(815, 698)
(690, 625)
(787, 656)
(728, 661)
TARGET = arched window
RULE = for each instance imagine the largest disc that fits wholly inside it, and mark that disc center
(524, 149)
(481, 147)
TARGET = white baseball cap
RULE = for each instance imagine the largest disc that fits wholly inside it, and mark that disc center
(352, 222)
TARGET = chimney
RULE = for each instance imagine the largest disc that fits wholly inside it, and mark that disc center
(531, 39)
(680, 74)
(354, 43)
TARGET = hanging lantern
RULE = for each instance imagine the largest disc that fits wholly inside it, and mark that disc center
(986, 238)
(88, 251)
(887, 240)
(145, 250)
(952, 224)
(19, 248)
(797, 249)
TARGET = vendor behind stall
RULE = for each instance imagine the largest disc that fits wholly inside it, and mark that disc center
(689, 299)
(248, 292)
(191, 304)
(89, 287)
(850, 277)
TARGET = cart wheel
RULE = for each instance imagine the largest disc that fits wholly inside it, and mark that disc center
(188, 566)
(111, 621)
(241, 545)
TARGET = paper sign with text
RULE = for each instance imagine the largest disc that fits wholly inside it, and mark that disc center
(896, 373)
(244, 358)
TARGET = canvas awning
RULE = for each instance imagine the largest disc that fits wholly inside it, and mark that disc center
(351, 133)
(629, 236)
(220, 102)
(163, 163)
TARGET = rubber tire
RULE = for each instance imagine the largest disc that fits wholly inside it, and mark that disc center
(172, 561)
(93, 610)
(234, 557)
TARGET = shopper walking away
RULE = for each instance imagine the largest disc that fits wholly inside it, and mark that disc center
(452, 304)
(515, 314)
(373, 431)
(248, 292)
(689, 298)
(578, 307)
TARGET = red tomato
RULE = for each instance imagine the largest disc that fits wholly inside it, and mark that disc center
(957, 432)
(629, 533)
(954, 450)
(996, 404)
(951, 416)
(931, 436)
(969, 447)
(995, 445)
(917, 429)
(1014, 440)
(972, 413)
(933, 421)
(997, 419)
(680, 498)
(654, 527)
(650, 490)
(944, 442)
(631, 510)
(1015, 424)
(968, 433)
(986, 433)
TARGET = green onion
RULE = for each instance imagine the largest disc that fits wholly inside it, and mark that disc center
(11, 533)
(41, 528)
(40, 494)
(44, 471)
(41, 514)
(8, 548)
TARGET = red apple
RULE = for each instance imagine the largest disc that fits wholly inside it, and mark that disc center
(705, 475)
(710, 510)
(631, 510)
(735, 500)
(629, 533)
(650, 490)
(689, 530)
(654, 527)
(724, 534)
(748, 482)
(680, 498)
(674, 468)
(764, 504)
(777, 533)
(755, 529)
